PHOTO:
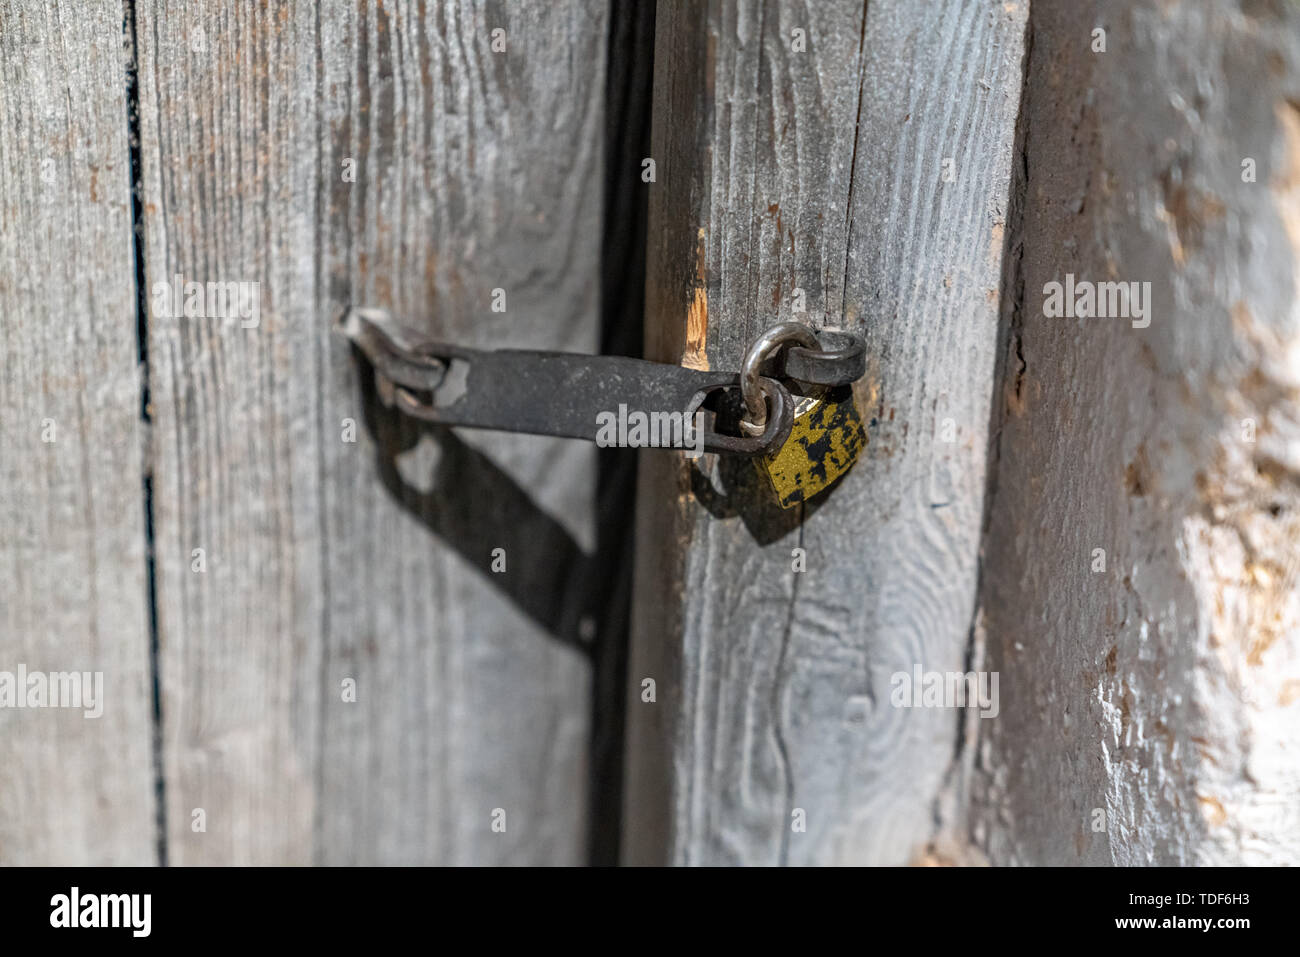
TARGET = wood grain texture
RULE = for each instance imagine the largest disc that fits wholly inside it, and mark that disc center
(73, 595)
(1157, 696)
(329, 560)
(821, 171)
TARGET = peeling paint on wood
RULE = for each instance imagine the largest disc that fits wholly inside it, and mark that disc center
(1149, 707)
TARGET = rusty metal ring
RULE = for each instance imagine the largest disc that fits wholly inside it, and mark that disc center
(762, 349)
(780, 419)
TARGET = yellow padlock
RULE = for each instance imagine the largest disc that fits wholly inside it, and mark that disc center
(825, 441)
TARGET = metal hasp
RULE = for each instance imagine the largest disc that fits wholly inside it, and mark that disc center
(564, 394)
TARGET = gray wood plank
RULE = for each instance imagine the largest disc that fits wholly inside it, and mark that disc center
(330, 561)
(73, 594)
(820, 170)
(1154, 697)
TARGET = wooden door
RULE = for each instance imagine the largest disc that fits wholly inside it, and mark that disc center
(304, 629)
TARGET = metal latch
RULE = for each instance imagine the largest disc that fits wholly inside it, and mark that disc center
(788, 372)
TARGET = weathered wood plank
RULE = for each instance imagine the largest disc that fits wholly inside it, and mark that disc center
(73, 592)
(330, 561)
(1153, 697)
(822, 171)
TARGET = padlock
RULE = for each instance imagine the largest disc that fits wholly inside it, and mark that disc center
(825, 441)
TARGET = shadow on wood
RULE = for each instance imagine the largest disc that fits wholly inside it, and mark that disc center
(476, 508)
(740, 491)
